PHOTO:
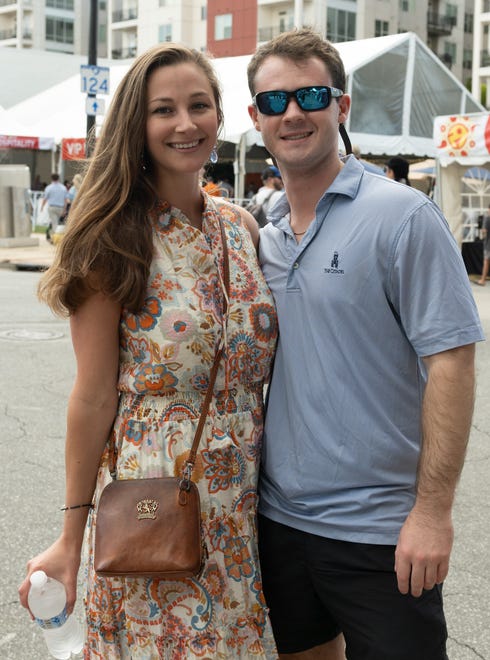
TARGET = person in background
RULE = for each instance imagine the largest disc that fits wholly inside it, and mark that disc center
(486, 249)
(371, 398)
(397, 168)
(250, 191)
(226, 188)
(271, 189)
(55, 197)
(72, 192)
(37, 185)
(210, 186)
(140, 272)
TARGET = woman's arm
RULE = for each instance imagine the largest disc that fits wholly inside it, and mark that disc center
(91, 410)
(251, 224)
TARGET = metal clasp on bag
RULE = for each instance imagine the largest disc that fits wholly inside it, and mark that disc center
(185, 482)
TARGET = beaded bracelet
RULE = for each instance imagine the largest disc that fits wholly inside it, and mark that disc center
(77, 506)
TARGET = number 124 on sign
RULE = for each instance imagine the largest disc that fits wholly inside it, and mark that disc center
(94, 79)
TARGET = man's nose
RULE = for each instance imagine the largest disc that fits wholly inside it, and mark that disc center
(293, 110)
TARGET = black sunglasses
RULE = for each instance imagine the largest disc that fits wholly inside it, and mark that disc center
(309, 99)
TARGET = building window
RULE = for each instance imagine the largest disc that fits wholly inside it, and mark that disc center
(452, 13)
(204, 13)
(449, 57)
(59, 30)
(60, 4)
(286, 21)
(381, 28)
(404, 5)
(468, 58)
(341, 25)
(164, 33)
(468, 23)
(223, 26)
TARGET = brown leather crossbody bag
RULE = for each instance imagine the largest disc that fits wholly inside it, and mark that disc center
(152, 527)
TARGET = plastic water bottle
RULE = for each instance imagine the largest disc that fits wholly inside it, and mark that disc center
(47, 601)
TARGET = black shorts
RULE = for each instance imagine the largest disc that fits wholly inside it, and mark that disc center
(317, 587)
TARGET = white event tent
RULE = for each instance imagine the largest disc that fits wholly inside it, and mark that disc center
(397, 86)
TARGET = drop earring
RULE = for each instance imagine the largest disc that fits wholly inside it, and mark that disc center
(213, 156)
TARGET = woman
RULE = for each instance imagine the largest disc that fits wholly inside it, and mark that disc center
(397, 168)
(73, 189)
(139, 272)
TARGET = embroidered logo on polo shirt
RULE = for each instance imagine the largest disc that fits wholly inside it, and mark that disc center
(334, 265)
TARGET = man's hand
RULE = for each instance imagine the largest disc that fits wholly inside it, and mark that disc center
(423, 550)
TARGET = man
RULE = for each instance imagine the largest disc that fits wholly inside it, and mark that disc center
(55, 196)
(371, 398)
(267, 195)
(485, 233)
(271, 189)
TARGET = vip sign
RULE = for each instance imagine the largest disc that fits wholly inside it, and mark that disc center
(73, 148)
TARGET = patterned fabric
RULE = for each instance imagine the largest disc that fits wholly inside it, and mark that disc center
(166, 355)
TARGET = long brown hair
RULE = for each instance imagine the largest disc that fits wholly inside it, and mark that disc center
(107, 245)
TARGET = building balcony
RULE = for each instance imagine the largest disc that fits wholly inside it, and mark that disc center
(124, 53)
(268, 33)
(11, 33)
(446, 59)
(124, 15)
(439, 25)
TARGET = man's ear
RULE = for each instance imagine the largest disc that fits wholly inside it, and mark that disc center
(252, 111)
(344, 107)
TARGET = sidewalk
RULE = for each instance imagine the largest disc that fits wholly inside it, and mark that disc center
(36, 257)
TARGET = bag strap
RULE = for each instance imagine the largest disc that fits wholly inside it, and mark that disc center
(189, 464)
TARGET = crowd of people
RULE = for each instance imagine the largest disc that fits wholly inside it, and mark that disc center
(327, 508)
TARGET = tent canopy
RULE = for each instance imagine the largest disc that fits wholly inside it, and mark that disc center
(397, 86)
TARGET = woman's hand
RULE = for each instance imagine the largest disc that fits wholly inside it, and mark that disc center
(60, 561)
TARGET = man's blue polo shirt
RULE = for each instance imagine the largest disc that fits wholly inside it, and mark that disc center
(376, 283)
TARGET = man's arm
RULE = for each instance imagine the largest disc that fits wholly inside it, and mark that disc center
(425, 541)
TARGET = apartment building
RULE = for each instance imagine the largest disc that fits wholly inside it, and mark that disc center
(125, 27)
(446, 27)
(234, 27)
(55, 25)
(481, 51)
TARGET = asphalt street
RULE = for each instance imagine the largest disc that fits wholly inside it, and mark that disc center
(36, 374)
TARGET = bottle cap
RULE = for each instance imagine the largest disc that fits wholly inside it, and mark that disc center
(38, 579)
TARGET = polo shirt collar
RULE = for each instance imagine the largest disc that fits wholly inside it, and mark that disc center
(346, 183)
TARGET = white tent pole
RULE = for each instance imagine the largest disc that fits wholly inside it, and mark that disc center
(477, 43)
(298, 13)
(408, 87)
(239, 166)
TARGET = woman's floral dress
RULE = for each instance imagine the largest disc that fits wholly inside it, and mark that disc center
(167, 351)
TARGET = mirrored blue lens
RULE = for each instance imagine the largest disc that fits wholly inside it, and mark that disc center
(274, 102)
(313, 98)
(308, 99)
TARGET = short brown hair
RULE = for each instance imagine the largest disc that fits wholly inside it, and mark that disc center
(299, 45)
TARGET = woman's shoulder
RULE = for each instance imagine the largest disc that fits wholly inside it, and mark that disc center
(238, 216)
